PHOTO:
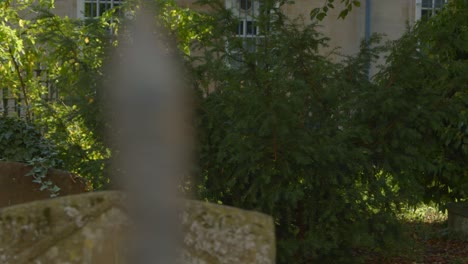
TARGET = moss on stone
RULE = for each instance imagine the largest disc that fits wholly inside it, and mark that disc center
(91, 228)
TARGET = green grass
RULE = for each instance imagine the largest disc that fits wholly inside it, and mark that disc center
(423, 213)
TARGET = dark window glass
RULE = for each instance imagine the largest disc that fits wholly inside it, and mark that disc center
(251, 28)
(102, 8)
(427, 3)
(91, 7)
(439, 3)
(90, 10)
(117, 7)
(426, 13)
(240, 28)
(245, 4)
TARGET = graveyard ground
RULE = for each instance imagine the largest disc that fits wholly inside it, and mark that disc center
(426, 240)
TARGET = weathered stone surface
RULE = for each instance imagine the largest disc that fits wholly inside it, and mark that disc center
(458, 217)
(70, 229)
(16, 188)
(222, 234)
(90, 228)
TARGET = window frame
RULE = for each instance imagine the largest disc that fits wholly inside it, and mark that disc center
(81, 7)
(433, 9)
(249, 38)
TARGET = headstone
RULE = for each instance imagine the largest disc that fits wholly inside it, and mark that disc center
(458, 218)
(16, 187)
(92, 229)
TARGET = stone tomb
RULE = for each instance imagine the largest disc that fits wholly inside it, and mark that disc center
(90, 229)
(458, 218)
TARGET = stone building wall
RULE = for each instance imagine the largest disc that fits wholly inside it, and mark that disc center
(387, 17)
(65, 8)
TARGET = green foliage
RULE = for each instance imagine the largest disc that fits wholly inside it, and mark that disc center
(424, 213)
(186, 25)
(426, 79)
(321, 13)
(22, 142)
(281, 132)
(329, 153)
(52, 66)
(282, 129)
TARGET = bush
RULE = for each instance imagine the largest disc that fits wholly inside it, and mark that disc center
(330, 154)
(281, 132)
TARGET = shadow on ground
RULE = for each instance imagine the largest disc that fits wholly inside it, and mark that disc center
(423, 243)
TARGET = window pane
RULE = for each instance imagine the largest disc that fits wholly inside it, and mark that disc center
(91, 7)
(426, 13)
(103, 7)
(427, 3)
(116, 6)
(439, 3)
(245, 4)
(240, 28)
(90, 10)
(251, 28)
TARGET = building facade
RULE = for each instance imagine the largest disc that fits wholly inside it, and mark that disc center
(388, 17)
(373, 16)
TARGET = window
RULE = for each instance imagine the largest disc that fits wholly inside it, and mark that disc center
(247, 30)
(245, 5)
(428, 8)
(95, 8)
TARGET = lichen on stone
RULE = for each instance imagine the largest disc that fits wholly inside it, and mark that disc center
(92, 228)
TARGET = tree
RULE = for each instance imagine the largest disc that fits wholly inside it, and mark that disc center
(330, 154)
(282, 129)
(53, 67)
(279, 133)
(426, 80)
(321, 13)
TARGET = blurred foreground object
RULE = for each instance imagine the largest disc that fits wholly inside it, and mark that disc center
(91, 229)
(150, 126)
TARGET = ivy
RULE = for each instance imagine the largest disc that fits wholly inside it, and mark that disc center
(22, 142)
